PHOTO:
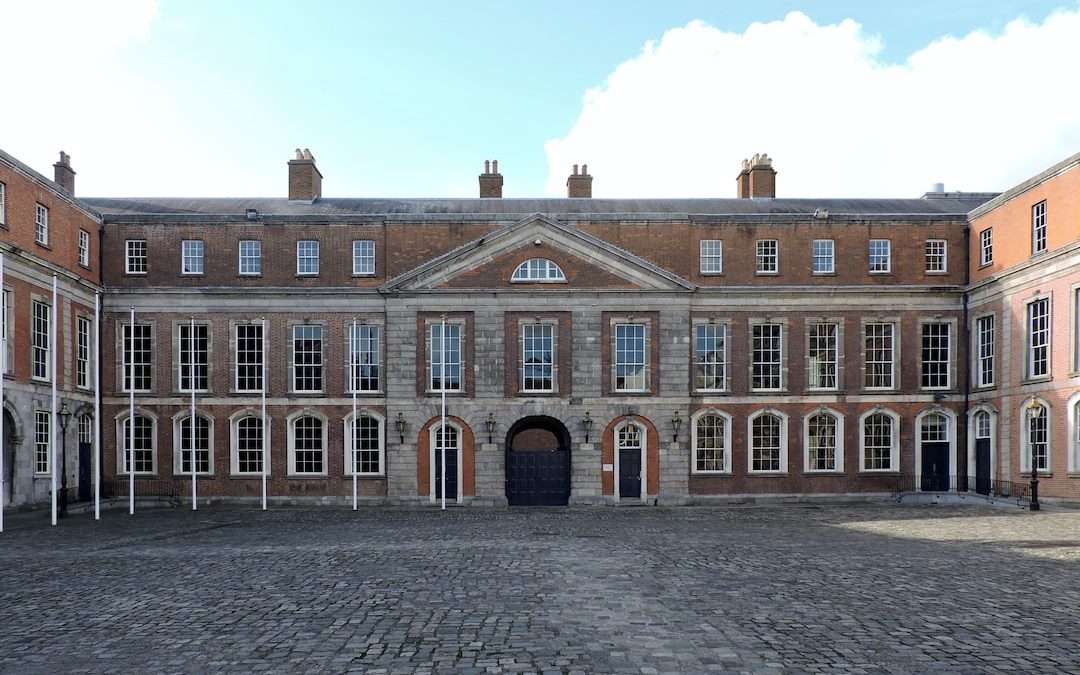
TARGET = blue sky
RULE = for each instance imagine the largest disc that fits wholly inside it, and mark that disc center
(200, 98)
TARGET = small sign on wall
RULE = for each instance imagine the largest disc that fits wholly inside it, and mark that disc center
(609, 467)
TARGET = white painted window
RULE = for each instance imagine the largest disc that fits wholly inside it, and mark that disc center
(880, 256)
(445, 349)
(630, 357)
(538, 269)
(250, 351)
(137, 352)
(40, 349)
(824, 441)
(1035, 444)
(879, 353)
(986, 246)
(307, 258)
(364, 434)
(767, 355)
(42, 441)
(768, 256)
(250, 257)
(936, 355)
(879, 435)
(194, 350)
(711, 357)
(247, 446)
(41, 225)
(712, 443)
(537, 357)
(712, 256)
(768, 442)
(198, 440)
(363, 357)
(363, 258)
(937, 256)
(191, 257)
(1038, 228)
(6, 329)
(822, 362)
(82, 352)
(1038, 352)
(141, 453)
(307, 444)
(3, 205)
(824, 256)
(135, 260)
(307, 352)
(984, 351)
(84, 248)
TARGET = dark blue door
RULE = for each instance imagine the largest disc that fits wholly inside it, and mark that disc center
(982, 466)
(630, 473)
(451, 474)
(84, 472)
(538, 463)
(935, 467)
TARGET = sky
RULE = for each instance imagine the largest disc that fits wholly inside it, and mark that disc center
(203, 98)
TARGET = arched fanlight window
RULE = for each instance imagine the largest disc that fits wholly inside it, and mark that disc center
(538, 269)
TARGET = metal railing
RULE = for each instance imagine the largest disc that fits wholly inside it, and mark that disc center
(964, 486)
(145, 488)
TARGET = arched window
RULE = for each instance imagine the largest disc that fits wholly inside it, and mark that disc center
(538, 269)
(142, 444)
(86, 429)
(824, 441)
(768, 442)
(247, 443)
(364, 434)
(982, 425)
(935, 428)
(712, 443)
(1035, 444)
(880, 431)
(187, 440)
(307, 444)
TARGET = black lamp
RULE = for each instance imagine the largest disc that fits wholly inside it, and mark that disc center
(65, 415)
(676, 422)
(399, 423)
(587, 423)
(490, 424)
(1035, 410)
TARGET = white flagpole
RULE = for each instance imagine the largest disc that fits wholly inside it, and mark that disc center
(97, 406)
(353, 345)
(52, 416)
(191, 418)
(265, 459)
(442, 386)
(3, 369)
(130, 450)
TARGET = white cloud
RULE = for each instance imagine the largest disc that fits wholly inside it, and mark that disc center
(979, 112)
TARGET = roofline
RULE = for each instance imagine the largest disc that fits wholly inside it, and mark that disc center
(1031, 183)
(49, 185)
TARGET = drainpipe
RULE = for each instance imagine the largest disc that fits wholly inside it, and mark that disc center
(966, 332)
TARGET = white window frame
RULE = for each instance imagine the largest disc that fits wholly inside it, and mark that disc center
(1073, 438)
(204, 359)
(3, 205)
(7, 300)
(291, 423)
(937, 256)
(303, 332)
(455, 331)
(250, 258)
(620, 360)
(780, 363)
(643, 435)
(1039, 339)
(924, 363)
(985, 336)
(434, 482)
(192, 262)
(823, 251)
(123, 331)
(894, 354)
(179, 420)
(84, 248)
(1026, 433)
(40, 341)
(43, 442)
(974, 434)
(838, 440)
(837, 351)
(951, 434)
(767, 257)
(986, 247)
(122, 427)
(894, 448)
(83, 354)
(348, 429)
(881, 258)
(711, 256)
(550, 365)
(234, 438)
(751, 441)
(136, 259)
(41, 225)
(1038, 228)
(702, 365)
(696, 447)
(363, 258)
(258, 361)
(307, 258)
(363, 351)
(538, 270)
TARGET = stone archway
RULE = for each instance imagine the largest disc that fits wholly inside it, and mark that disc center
(9, 456)
(538, 462)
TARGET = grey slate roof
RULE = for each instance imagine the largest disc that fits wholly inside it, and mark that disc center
(955, 204)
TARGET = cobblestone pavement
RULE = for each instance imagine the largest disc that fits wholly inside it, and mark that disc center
(835, 589)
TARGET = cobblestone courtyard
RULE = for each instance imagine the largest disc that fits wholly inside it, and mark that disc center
(845, 589)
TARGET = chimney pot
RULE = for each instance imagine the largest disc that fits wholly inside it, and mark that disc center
(757, 179)
(305, 179)
(579, 184)
(494, 166)
(63, 174)
(487, 166)
(491, 181)
(584, 169)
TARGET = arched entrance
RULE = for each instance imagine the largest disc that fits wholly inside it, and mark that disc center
(9, 456)
(538, 462)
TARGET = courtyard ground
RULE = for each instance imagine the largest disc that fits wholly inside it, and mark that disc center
(828, 589)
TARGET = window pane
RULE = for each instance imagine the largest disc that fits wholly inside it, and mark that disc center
(710, 443)
(445, 357)
(822, 355)
(630, 357)
(710, 357)
(537, 357)
(767, 356)
(307, 358)
(765, 455)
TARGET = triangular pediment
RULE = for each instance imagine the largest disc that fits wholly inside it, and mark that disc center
(587, 261)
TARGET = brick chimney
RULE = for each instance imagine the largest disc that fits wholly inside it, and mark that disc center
(305, 181)
(491, 181)
(757, 179)
(63, 174)
(579, 185)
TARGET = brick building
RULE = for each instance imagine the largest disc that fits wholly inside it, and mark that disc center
(592, 350)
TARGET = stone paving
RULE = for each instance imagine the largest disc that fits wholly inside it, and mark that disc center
(833, 589)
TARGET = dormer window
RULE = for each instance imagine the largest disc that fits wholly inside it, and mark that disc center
(538, 269)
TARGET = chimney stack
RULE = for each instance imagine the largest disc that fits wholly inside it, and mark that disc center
(63, 174)
(757, 179)
(491, 181)
(305, 180)
(579, 185)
